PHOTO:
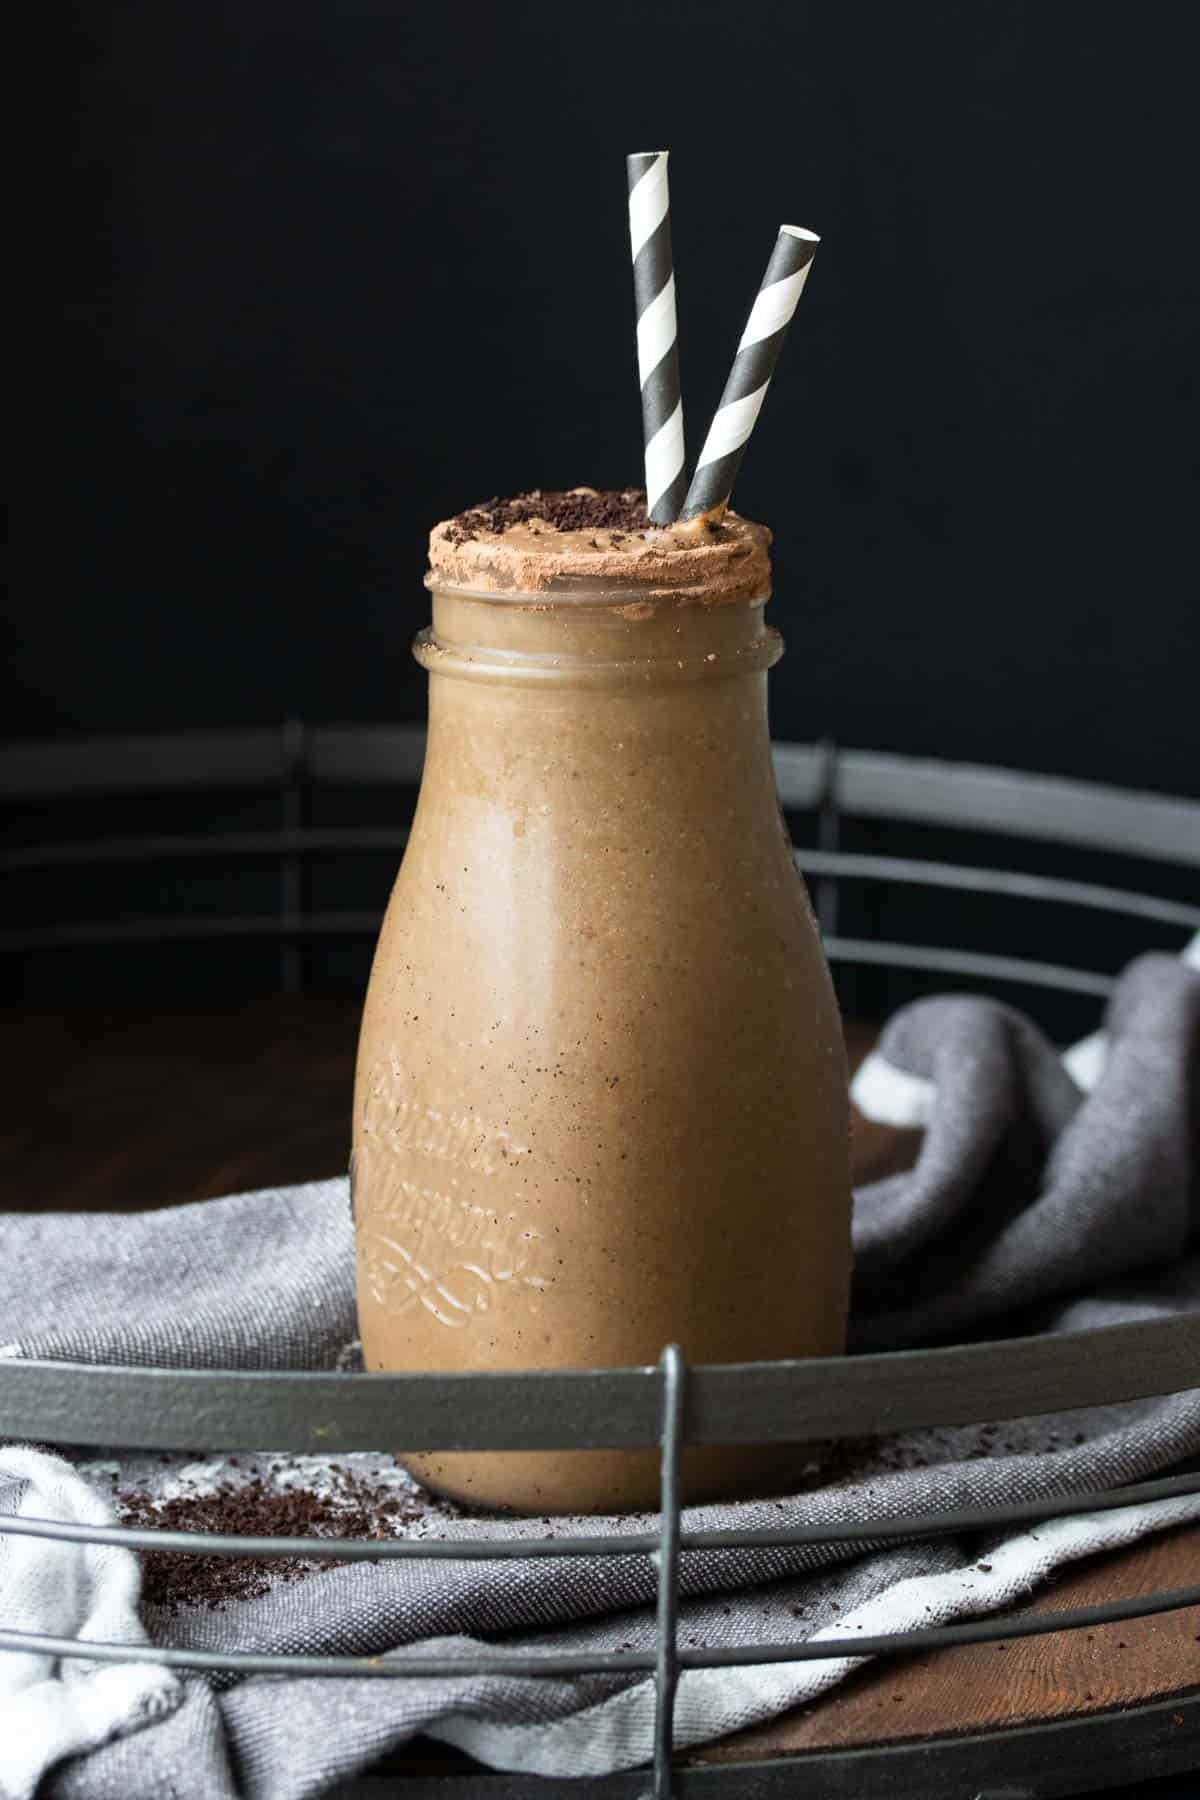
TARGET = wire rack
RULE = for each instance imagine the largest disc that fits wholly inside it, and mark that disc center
(671, 1404)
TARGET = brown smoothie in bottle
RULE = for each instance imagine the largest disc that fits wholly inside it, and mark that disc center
(601, 1093)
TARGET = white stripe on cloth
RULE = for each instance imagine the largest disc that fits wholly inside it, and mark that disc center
(664, 457)
(648, 202)
(656, 330)
(617, 1733)
(51, 1708)
(891, 1096)
(732, 426)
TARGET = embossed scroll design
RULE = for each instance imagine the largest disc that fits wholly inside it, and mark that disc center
(422, 1241)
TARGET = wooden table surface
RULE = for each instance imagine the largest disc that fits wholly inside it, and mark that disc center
(108, 1110)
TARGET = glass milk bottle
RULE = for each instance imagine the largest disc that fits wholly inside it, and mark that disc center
(601, 1093)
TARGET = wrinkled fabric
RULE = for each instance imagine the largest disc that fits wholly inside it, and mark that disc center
(1025, 1189)
(1031, 1207)
(52, 1707)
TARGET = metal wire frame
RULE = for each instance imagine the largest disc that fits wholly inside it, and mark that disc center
(823, 777)
(731, 1403)
(84, 1403)
(913, 789)
(318, 840)
(160, 1408)
(663, 1661)
(291, 844)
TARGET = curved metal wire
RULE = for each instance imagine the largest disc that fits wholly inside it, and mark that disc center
(665, 1557)
(728, 1403)
(929, 958)
(1011, 883)
(935, 961)
(609, 1662)
(639, 1543)
(344, 839)
(876, 784)
(310, 840)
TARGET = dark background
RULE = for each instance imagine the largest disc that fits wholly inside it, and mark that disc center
(298, 279)
(301, 278)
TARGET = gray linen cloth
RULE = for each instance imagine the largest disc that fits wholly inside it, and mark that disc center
(1032, 1207)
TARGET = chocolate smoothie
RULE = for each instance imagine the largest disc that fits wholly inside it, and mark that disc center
(601, 1093)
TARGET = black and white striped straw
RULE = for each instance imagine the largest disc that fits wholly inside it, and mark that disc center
(752, 369)
(658, 350)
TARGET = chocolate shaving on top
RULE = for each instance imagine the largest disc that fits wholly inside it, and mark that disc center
(572, 509)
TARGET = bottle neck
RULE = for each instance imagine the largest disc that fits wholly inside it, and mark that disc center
(610, 639)
(565, 713)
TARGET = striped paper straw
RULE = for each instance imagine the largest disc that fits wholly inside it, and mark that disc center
(658, 351)
(752, 369)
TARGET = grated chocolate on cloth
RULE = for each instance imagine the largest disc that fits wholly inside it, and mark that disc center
(175, 1580)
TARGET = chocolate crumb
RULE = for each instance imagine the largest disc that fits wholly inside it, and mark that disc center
(255, 1508)
(583, 509)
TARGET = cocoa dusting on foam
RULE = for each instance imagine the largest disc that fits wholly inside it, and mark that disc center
(566, 540)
